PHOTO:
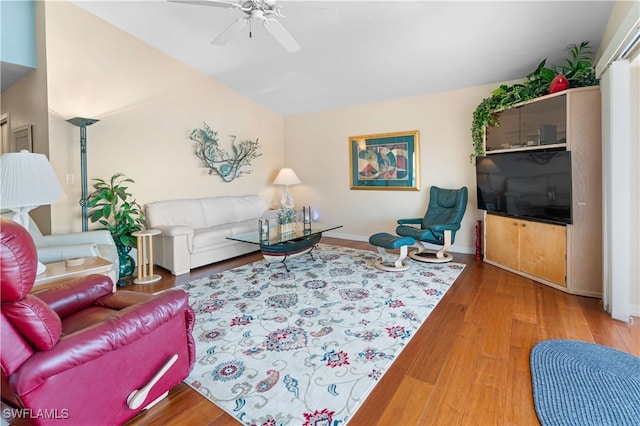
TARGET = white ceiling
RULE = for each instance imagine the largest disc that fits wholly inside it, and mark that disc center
(356, 52)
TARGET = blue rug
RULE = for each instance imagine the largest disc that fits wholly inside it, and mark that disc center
(579, 383)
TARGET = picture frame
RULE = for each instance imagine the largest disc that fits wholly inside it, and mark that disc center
(23, 137)
(385, 161)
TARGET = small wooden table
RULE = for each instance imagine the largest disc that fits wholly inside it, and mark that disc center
(145, 256)
(59, 273)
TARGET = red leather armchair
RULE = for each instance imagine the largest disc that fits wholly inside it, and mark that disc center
(76, 353)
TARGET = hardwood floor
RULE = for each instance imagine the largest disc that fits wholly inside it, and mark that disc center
(467, 365)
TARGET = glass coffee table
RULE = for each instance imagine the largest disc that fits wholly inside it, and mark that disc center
(280, 247)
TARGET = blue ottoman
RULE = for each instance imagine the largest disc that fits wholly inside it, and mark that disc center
(387, 261)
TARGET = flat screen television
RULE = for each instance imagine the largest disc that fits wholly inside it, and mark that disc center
(527, 184)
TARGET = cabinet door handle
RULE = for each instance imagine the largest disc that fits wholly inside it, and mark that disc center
(515, 223)
(524, 225)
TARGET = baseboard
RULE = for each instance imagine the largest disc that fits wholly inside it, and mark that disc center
(453, 249)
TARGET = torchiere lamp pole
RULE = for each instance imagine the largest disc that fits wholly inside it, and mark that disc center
(84, 202)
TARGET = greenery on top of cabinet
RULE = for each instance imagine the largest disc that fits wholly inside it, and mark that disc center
(578, 70)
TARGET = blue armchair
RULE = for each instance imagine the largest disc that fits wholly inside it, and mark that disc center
(438, 226)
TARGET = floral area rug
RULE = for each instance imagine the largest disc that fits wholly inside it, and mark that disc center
(306, 347)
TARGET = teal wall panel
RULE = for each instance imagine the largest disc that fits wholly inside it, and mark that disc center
(18, 32)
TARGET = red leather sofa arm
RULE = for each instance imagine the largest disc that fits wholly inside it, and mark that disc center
(74, 296)
(120, 330)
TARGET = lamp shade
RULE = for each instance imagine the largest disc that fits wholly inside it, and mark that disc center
(286, 176)
(27, 181)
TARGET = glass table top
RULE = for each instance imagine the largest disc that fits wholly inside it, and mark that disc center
(275, 237)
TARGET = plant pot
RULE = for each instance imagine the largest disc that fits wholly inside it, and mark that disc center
(127, 263)
(287, 227)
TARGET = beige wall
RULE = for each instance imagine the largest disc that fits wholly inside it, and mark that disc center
(316, 147)
(147, 104)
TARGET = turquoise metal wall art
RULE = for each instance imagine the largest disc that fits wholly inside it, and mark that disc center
(227, 165)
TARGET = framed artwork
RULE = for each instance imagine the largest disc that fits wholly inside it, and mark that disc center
(386, 161)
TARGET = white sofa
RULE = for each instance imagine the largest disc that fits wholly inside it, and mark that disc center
(193, 232)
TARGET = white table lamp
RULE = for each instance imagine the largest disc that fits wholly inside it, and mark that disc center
(286, 177)
(27, 181)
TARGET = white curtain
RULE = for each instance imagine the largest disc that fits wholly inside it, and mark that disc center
(620, 160)
(616, 168)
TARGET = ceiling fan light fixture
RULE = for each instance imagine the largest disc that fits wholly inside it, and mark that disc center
(257, 15)
(256, 10)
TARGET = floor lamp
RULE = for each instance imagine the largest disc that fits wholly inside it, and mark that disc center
(83, 123)
(27, 181)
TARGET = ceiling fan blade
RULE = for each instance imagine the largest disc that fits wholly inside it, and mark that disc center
(231, 31)
(282, 35)
(207, 3)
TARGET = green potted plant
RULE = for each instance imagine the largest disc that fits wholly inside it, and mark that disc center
(114, 208)
(578, 70)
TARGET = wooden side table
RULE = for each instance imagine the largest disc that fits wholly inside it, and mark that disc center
(59, 273)
(145, 256)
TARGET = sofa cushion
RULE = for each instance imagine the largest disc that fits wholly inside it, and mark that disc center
(229, 209)
(35, 320)
(218, 210)
(248, 207)
(176, 212)
(15, 350)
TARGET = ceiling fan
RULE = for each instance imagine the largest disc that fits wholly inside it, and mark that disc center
(264, 11)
